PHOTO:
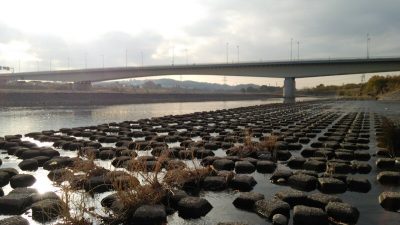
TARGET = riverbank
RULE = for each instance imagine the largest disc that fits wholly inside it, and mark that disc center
(34, 98)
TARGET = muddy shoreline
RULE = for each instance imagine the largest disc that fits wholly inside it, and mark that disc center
(15, 99)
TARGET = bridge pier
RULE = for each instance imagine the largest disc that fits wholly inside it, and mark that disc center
(82, 85)
(289, 88)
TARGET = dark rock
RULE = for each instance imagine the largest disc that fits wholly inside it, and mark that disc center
(385, 163)
(283, 155)
(330, 185)
(304, 215)
(341, 168)
(46, 210)
(296, 163)
(98, 184)
(342, 212)
(4, 179)
(244, 167)
(361, 167)
(215, 183)
(57, 163)
(265, 166)
(22, 180)
(243, 182)
(314, 165)
(223, 164)
(246, 200)
(358, 184)
(14, 220)
(321, 200)
(59, 175)
(281, 174)
(149, 215)
(269, 208)
(292, 197)
(17, 201)
(29, 164)
(390, 200)
(302, 182)
(44, 196)
(193, 207)
(389, 177)
(107, 154)
(279, 219)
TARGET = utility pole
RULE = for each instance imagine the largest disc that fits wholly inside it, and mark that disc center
(368, 39)
(141, 55)
(227, 52)
(126, 57)
(186, 52)
(291, 49)
(85, 60)
(298, 50)
(237, 53)
(362, 78)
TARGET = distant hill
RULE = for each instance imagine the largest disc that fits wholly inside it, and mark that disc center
(171, 83)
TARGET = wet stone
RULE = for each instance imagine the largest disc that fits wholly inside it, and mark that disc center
(292, 197)
(223, 164)
(22, 180)
(302, 182)
(46, 210)
(279, 219)
(98, 184)
(17, 201)
(320, 200)
(243, 182)
(14, 220)
(304, 215)
(269, 207)
(361, 167)
(4, 179)
(265, 166)
(193, 207)
(28, 165)
(314, 165)
(385, 163)
(244, 167)
(214, 183)
(246, 200)
(149, 215)
(281, 174)
(330, 185)
(389, 178)
(342, 212)
(296, 163)
(390, 200)
(358, 184)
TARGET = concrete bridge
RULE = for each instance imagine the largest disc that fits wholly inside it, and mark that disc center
(289, 70)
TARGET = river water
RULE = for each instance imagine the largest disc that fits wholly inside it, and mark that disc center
(19, 120)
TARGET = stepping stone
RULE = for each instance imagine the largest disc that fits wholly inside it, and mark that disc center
(215, 183)
(246, 200)
(292, 197)
(269, 208)
(98, 184)
(320, 200)
(330, 185)
(243, 182)
(265, 166)
(342, 212)
(149, 214)
(389, 177)
(193, 207)
(29, 165)
(361, 167)
(279, 219)
(223, 164)
(296, 163)
(385, 163)
(244, 167)
(341, 168)
(17, 201)
(314, 165)
(46, 210)
(14, 220)
(358, 184)
(4, 178)
(302, 182)
(304, 215)
(390, 200)
(22, 180)
(282, 175)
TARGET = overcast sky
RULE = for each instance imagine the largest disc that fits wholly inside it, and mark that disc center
(35, 33)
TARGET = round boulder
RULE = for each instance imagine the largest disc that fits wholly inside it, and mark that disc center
(22, 180)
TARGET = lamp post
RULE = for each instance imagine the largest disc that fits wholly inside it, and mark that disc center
(291, 49)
